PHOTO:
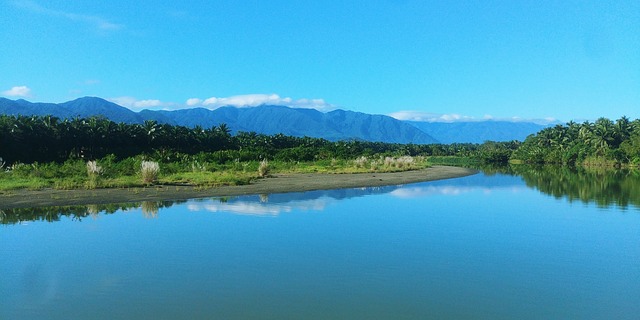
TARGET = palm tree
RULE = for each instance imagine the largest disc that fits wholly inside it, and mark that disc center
(602, 135)
(224, 130)
(150, 129)
(621, 130)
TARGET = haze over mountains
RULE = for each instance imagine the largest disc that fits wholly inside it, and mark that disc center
(267, 119)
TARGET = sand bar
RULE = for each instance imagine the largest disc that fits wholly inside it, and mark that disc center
(279, 183)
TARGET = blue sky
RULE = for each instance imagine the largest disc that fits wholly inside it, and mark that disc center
(447, 60)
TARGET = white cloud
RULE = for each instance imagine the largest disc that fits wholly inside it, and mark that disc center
(18, 91)
(254, 100)
(421, 116)
(449, 190)
(248, 100)
(148, 103)
(259, 208)
(429, 117)
(251, 100)
(193, 102)
(133, 103)
(95, 21)
(240, 101)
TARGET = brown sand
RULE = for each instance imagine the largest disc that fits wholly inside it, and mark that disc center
(280, 183)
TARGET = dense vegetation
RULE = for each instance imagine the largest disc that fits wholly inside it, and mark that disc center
(603, 142)
(45, 151)
(48, 139)
(38, 152)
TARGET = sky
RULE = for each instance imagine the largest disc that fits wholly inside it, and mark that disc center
(421, 60)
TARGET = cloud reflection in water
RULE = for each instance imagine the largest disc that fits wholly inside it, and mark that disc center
(260, 208)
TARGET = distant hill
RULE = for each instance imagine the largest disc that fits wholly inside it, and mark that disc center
(478, 131)
(82, 107)
(91, 106)
(335, 125)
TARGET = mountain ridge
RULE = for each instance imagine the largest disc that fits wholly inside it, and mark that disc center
(267, 119)
(272, 119)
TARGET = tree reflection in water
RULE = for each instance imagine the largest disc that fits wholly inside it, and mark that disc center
(78, 212)
(603, 186)
(150, 209)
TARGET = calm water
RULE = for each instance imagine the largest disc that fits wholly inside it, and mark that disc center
(485, 246)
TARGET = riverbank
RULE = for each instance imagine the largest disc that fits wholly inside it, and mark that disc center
(280, 183)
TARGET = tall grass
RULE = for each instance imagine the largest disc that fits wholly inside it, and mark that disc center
(390, 163)
(110, 172)
(93, 172)
(263, 168)
(149, 171)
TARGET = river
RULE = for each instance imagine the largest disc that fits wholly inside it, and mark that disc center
(552, 244)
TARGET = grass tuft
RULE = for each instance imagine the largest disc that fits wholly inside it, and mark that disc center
(150, 171)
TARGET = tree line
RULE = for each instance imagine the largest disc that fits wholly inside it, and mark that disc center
(29, 139)
(602, 141)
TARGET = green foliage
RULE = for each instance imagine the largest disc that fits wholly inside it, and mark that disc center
(54, 153)
(49, 139)
(45, 152)
(452, 161)
(603, 142)
(494, 152)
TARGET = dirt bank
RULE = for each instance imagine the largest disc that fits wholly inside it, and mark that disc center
(280, 183)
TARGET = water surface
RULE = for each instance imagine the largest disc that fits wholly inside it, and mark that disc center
(485, 246)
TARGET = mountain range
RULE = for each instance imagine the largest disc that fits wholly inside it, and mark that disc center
(269, 119)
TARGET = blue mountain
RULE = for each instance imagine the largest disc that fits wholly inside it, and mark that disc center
(92, 106)
(269, 119)
(82, 107)
(478, 131)
(335, 125)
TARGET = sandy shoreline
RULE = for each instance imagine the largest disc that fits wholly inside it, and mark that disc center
(280, 183)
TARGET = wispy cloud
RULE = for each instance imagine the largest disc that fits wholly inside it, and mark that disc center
(194, 102)
(133, 103)
(98, 22)
(259, 208)
(240, 101)
(449, 190)
(253, 100)
(421, 116)
(410, 115)
(18, 91)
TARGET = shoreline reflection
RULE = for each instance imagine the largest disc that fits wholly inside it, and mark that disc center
(619, 188)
